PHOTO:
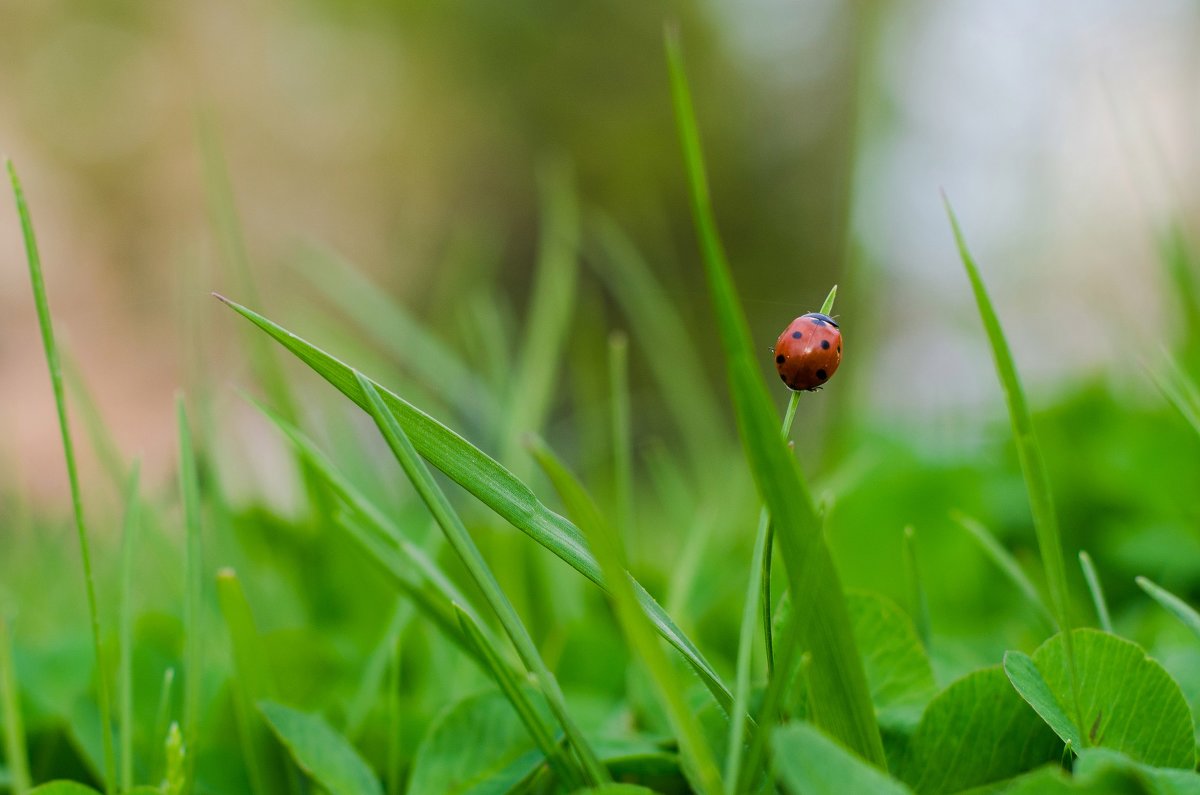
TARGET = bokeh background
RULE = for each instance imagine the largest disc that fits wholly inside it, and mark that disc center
(410, 137)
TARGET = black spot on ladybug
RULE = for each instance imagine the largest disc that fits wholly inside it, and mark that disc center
(796, 335)
(779, 359)
(821, 375)
(839, 349)
(825, 344)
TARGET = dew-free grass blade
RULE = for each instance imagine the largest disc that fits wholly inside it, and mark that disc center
(541, 732)
(125, 671)
(606, 545)
(189, 488)
(1033, 466)
(841, 703)
(15, 753)
(918, 602)
(375, 671)
(622, 435)
(1179, 390)
(54, 364)
(1006, 563)
(458, 537)
(491, 483)
(1173, 604)
(1093, 583)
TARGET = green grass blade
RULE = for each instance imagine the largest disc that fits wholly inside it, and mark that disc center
(492, 484)
(53, 363)
(15, 752)
(376, 670)
(654, 318)
(1173, 604)
(622, 433)
(1097, 592)
(189, 488)
(392, 775)
(918, 602)
(461, 541)
(251, 684)
(841, 704)
(1180, 391)
(434, 362)
(125, 673)
(161, 717)
(1006, 563)
(1033, 466)
(101, 438)
(542, 733)
(633, 623)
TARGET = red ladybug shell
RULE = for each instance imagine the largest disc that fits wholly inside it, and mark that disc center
(808, 352)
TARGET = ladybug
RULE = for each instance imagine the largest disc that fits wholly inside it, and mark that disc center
(808, 352)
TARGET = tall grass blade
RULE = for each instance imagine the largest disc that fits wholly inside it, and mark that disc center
(918, 602)
(491, 483)
(60, 402)
(125, 673)
(622, 433)
(461, 541)
(15, 752)
(1097, 592)
(1037, 481)
(251, 684)
(1179, 390)
(376, 670)
(392, 775)
(161, 717)
(841, 702)
(189, 488)
(1173, 604)
(542, 733)
(607, 546)
(1006, 563)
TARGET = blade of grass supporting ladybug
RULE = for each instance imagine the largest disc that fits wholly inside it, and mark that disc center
(492, 484)
(1037, 481)
(841, 703)
(606, 545)
(918, 602)
(53, 363)
(658, 326)
(1006, 563)
(541, 732)
(622, 434)
(1173, 604)
(1179, 390)
(251, 682)
(232, 241)
(403, 336)
(14, 726)
(1097, 592)
(757, 603)
(458, 537)
(125, 672)
(189, 487)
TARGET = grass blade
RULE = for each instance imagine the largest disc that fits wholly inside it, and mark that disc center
(543, 735)
(622, 434)
(394, 751)
(1181, 609)
(54, 364)
(492, 484)
(1006, 563)
(189, 488)
(1097, 592)
(607, 547)
(125, 673)
(161, 716)
(1033, 466)
(15, 752)
(841, 704)
(460, 540)
(1180, 391)
(377, 670)
(918, 602)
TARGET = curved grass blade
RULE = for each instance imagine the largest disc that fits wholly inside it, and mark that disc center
(189, 487)
(841, 703)
(1097, 592)
(1181, 609)
(461, 541)
(1006, 563)
(125, 671)
(1033, 467)
(492, 484)
(54, 364)
(607, 547)
(1179, 390)
(539, 730)
(15, 752)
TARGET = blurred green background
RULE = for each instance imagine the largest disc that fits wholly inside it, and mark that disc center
(410, 138)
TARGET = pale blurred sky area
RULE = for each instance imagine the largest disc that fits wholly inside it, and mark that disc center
(1065, 134)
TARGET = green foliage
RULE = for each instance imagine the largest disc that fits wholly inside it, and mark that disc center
(809, 763)
(321, 752)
